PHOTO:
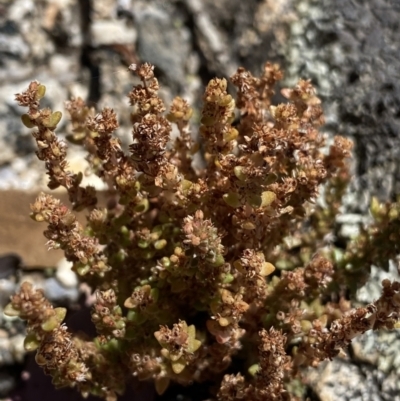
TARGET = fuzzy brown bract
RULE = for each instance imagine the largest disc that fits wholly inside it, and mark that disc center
(199, 269)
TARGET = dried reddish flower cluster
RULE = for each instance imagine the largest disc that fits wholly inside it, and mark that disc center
(197, 269)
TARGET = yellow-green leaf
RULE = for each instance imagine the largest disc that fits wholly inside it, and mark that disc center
(178, 366)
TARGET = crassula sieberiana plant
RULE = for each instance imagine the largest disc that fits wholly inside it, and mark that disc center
(220, 272)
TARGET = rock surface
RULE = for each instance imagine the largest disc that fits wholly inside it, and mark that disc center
(349, 49)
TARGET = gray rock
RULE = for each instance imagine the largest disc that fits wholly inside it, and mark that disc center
(57, 293)
(11, 348)
(350, 51)
(378, 359)
(17, 347)
(341, 380)
(7, 383)
(162, 43)
(351, 219)
(65, 275)
(350, 224)
(7, 288)
(124, 5)
(6, 357)
(372, 290)
(13, 44)
(108, 32)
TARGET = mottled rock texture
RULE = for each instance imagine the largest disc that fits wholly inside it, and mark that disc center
(350, 49)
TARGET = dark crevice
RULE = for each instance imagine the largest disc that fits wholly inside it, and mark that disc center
(87, 58)
(388, 87)
(87, 61)
(380, 108)
(361, 152)
(353, 77)
(195, 392)
(311, 395)
(86, 19)
(206, 73)
(351, 119)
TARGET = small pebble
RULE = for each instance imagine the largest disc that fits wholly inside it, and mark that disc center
(6, 356)
(7, 288)
(65, 275)
(7, 383)
(17, 347)
(55, 292)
